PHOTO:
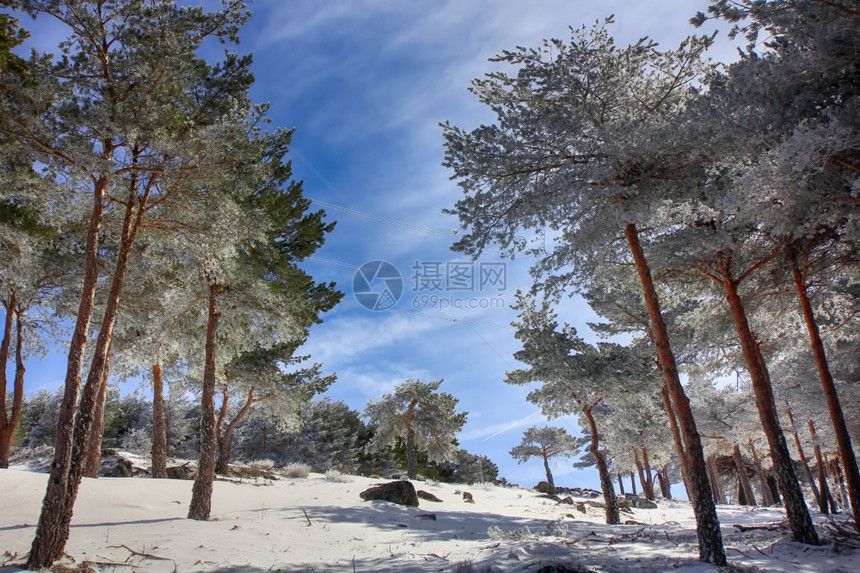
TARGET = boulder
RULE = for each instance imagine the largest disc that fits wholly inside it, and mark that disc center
(647, 504)
(180, 472)
(545, 487)
(467, 497)
(428, 496)
(115, 466)
(401, 492)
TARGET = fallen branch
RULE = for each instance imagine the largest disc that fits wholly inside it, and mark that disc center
(139, 553)
(307, 517)
(766, 527)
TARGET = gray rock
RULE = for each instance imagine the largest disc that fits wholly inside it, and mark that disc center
(646, 504)
(545, 487)
(401, 492)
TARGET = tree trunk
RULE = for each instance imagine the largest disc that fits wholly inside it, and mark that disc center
(546, 468)
(665, 484)
(743, 479)
(644, 478)
(676, 438)
(411, 462)
(840, 481)
(716, 484)
(222, 466)
(843, 437)
(621, 485)
(822, 470)
(44, 550)
(767, 499)
(649, 479)
(159, 425)
(707, 524)
(200, 507)
(613, 517)
(800, 523)
(10, 424)
(94, 448)
(633, 483)
(811, 480)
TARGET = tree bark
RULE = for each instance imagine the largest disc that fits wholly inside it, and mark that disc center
(822, 470)
(767, 499)
(10, 424)
(676, 438)
(834, 408)
(613, 517)
(200, 507)
(716, 485)
(222, 465)
(633, 483)
(665, 484)
(546, 468)
(159, 425)
(743, 478)
(44, 550)
(799, 521)
(411, 462)
(644, 478)
(649, 479)
(811, 480)
(707, 524)
(94, 448)
(621, 485)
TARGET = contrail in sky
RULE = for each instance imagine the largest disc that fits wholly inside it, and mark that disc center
(512, 424)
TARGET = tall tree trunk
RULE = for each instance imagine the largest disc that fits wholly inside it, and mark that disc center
(676, 438)
(811, 480)
(613, 517)
(716, 484)
(649, 479)
(665, 484)
(200, 507)
(159, 425)
(644, 477)
(767, 499)
(546, 468)
(834, 408)
(222, 466)
(822, 470)
(743, 478)
(799, 521)
(94, 448)
(10, 424)
(707, 524)
(633, 483)
(621, 485)
(43, 551)
(840, 481)
(411, 462)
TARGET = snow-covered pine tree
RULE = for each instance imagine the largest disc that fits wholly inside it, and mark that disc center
(545, 443)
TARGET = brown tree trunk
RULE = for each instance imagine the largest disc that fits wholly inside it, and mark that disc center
(649, 480)
(811, 480)
(411, 462)
(621, 485)
(47, 546)
(665, 484)
(633, 483)
(159, 425)
(707, 524)
(676, 438)
(834, 408)
(644, 478)
(200, 507)
(546, 468)
(716, 484)
(799, 521)
(822, 470)
(840, 481)
(222, 465)
(613, 517)
(10, 424)
(743, 478)
(94, 448)
(767, 499)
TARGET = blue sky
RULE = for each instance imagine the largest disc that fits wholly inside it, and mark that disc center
(365, 84)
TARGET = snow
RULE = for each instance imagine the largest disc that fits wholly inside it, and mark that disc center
(315, 524)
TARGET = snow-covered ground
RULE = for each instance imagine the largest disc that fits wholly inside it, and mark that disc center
(316, 524)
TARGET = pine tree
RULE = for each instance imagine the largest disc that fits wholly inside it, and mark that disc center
(545, 443)
(422, 417)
